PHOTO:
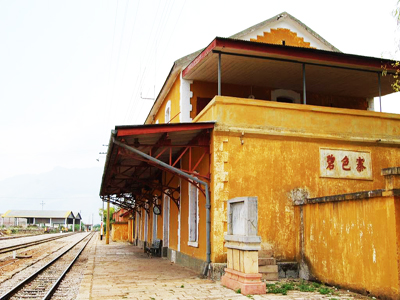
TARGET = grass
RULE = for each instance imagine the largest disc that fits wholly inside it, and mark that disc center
(302, 286)
(324, 290)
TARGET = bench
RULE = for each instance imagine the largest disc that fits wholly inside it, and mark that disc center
(154, 249)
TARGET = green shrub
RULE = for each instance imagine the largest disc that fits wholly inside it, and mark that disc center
(324, 290)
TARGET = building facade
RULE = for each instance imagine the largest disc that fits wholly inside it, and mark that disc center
(276, 112)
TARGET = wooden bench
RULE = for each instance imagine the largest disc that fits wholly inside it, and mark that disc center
(155, 248)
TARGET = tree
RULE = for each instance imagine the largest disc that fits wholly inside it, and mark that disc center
(396, 84)
(396, 64)
(112, 210)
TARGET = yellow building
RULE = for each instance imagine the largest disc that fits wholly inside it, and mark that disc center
(276, 112)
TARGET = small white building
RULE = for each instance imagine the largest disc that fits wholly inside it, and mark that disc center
(52, 218)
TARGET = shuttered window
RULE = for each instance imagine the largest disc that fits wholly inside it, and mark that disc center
(193, 215)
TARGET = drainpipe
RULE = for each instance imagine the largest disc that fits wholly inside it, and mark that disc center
(175, 170)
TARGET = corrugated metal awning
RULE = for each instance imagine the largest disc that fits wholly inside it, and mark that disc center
(280, 67)
(126, 176)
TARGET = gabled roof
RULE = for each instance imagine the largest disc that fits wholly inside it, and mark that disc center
(38, 214)
(279, 18)
(78, 215)
(183, 62)
(254, 63)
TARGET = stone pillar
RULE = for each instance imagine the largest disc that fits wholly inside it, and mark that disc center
(392, 178)
(73, 225)
(243, 244)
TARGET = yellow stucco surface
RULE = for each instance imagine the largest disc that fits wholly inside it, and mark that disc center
(200, 250)
(277, 36)
(119, 231)
(267, 149)
(174, 96)
(353, 244)
(203, 89)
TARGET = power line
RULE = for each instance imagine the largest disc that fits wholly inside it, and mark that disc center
(56, 197)
(160, 29)
(119, 54)
(109, 72)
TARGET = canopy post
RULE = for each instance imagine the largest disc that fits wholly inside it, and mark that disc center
(108, 223)
(304, 85)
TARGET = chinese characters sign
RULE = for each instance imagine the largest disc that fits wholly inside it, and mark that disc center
(345, 164)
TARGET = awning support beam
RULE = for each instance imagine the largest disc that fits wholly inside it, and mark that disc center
(189, 177)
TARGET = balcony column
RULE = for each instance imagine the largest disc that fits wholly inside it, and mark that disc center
(304, 84)
(219, 74)
(380, 92)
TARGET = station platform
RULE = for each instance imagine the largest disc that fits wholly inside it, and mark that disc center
(122, 271)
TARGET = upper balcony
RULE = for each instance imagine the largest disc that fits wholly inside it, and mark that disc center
(252, 70)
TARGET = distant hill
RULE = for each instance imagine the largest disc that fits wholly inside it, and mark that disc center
(59, 189)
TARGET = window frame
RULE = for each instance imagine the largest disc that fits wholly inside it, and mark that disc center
(193, 202)
(167, 112)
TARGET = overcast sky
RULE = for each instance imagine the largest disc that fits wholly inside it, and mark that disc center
(72, 70)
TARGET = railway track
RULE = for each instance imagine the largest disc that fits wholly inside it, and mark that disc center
(42, 283)
(3, 238)
(33, 243)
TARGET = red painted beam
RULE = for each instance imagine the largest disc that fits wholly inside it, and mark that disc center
(148, 129)
(305, 55)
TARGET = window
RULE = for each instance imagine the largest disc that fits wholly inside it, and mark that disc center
(284, 100)
(193, 215)
(166, 220)
(168, 112)
(154, 226)
(285, 96)
(146, 222)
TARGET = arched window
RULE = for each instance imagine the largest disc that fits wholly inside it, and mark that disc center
(285, 96)
(168, 112)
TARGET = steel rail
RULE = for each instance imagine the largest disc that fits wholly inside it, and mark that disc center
(5, 238)
(19, 286)
(33, 243)
(55, 285)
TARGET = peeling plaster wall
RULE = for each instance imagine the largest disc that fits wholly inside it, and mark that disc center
(119, 231)
(174, 96)
(267, 149)
(353, 244)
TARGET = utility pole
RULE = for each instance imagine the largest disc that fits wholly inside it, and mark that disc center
(42, 203)
(108, 223)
